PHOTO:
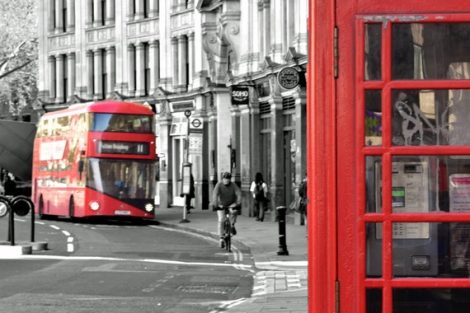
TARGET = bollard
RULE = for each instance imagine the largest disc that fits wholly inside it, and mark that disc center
(185, 210)
(11, 228)
(281, 218)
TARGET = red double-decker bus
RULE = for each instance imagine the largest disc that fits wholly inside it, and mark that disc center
(95, 159)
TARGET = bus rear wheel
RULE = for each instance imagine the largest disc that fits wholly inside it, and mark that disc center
(41, 208)
(71, 208)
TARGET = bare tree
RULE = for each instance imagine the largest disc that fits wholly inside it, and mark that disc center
(18, 56)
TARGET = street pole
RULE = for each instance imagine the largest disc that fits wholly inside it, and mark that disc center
(187, 198)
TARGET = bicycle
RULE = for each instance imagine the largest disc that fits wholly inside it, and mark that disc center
(228, 230)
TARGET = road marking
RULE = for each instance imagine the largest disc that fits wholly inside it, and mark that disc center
(156, 261)
(55, 227)
(236, 253)
(66, 233)
(39, 223)
(70, 247)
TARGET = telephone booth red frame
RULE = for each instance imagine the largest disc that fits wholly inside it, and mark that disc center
(339, 158)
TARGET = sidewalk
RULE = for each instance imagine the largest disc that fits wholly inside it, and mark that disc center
(280, 283)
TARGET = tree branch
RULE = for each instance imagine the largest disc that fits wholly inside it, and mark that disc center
(2, 75)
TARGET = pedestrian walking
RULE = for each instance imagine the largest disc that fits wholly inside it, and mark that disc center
(228, 196)
(259, 190)
(302, 203)
(190, 196)
(10, 185)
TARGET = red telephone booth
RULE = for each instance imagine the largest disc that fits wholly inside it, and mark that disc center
(389, 156)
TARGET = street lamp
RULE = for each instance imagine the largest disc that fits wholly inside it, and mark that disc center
(187, 168)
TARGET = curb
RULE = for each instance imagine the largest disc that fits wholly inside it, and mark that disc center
(7, 251)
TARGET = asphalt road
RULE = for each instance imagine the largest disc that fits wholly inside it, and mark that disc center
(97, 266)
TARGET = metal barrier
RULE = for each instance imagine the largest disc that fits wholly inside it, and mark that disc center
(19, 205)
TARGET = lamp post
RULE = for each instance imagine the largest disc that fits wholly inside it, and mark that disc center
(186, 190)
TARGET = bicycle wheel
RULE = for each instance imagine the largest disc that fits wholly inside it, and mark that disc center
(228, 235)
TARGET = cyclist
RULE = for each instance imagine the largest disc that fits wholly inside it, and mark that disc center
(226, 195)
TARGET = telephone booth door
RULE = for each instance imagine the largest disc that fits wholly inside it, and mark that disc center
(389, 158)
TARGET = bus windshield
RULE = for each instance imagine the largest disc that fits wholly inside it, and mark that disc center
(127, 123)
(122, 179)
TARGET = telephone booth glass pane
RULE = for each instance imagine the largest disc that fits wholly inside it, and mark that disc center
(374, 300)
(373, 184)
(373, 118)
(430, 117)
(374, 250)
(373, 51)
(431, 51)
(441, 300)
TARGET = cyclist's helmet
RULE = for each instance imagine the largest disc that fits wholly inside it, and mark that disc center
(227, 175)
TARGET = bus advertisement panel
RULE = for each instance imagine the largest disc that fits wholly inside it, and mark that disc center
(95, 159)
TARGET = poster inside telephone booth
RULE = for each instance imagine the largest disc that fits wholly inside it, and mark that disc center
(400, 107)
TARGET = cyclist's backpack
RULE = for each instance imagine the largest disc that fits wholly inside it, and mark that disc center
(259, 192)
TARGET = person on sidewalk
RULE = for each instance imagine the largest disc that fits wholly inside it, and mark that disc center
(259, 190)
(10, 185)
(226, 195)
(190, 196)
(303, 201)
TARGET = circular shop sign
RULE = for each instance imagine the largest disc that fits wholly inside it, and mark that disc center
(187, 113)
(196, 123)
(288, 78)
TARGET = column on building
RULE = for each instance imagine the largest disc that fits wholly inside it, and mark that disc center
(245, 160)
(140, 69)
(266, 27)
(110, 12)
(70, 15)
(139, 9)
(277, 29)
(98, 77)
(71, 79)
(89, 13)
(255, 140)
(235, 144)
(154, 65)
(181, 4)
(182, 62)
(212, 143)
(154, 8)
(301, 36)
(50, 15)
(191, 60)
(97, 13)
(52, 78)
(90, 73)
(131, 69)
(200, 157)
(166, 179)
(300, 134)
(59, 24)
(277, 152)
(110, 70)
(130, 10)
(174, 55)
(60, 71)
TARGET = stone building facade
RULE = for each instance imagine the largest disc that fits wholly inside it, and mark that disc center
(180, 55)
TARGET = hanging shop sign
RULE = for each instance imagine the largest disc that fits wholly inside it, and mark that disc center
(288, 78)
(240, 95)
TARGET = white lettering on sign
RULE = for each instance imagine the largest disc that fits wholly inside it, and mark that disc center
(53, 150)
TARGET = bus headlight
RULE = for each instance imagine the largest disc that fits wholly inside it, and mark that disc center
(149, 207)
(94, 205)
